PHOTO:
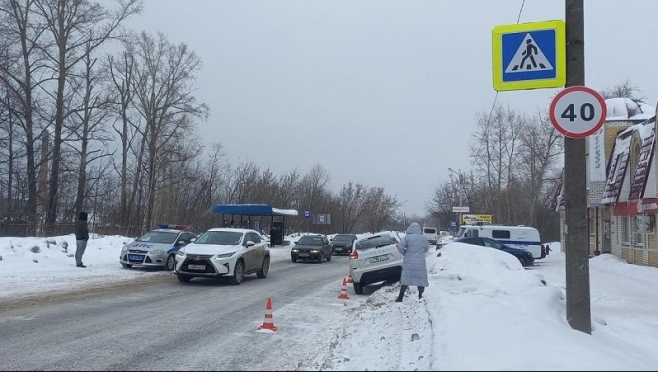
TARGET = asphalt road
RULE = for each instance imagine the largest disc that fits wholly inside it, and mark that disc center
(162, 324)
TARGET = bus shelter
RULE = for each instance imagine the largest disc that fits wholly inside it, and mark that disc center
(260, 217)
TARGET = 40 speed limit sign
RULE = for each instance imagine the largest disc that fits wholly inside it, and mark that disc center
(578, 111)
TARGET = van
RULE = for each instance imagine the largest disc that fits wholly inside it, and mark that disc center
(524, 237)
(431, 233)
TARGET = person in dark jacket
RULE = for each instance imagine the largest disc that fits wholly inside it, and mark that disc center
(81, 238)
(548, 250)
(414, 269)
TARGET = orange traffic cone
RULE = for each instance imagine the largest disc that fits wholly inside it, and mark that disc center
(349, 279)
(267, 324)
(343, 291)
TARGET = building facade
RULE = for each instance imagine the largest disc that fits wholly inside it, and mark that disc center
(621, 184)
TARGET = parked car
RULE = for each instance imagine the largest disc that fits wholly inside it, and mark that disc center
(525, 257)
(342, 243)
(156, 248)
(224, 253)
(431, 233)
(375, 258)
(444, 240)
(522, 237)
(312, 247)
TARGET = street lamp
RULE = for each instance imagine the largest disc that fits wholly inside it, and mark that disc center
(461, 191)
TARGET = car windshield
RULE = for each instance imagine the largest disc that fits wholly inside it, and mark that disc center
(310, 240)
(375, 242)
(220, 238)
(343, 238)
(158, 237)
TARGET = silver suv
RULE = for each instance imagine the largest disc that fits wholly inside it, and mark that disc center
(375, 258)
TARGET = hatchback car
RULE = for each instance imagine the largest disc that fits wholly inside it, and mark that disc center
(312, 247)
(375, 258)
(224, 253)
(525, 257)
(342, 243)
(156, 248)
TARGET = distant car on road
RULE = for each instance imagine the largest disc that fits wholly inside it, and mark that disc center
(157, 247)
(312, 247)
(224, 252)
(342, 243)
(525, 257)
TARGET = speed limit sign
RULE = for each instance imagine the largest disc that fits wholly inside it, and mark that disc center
(578, 111)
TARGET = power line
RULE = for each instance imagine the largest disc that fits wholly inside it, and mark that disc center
(493, 106)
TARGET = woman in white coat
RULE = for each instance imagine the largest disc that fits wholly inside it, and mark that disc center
(414, 268)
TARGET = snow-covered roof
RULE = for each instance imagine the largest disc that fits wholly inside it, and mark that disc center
(620, 157)
(621, 109)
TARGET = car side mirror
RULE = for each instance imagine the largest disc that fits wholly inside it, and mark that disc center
(250, 244)
(181, 242)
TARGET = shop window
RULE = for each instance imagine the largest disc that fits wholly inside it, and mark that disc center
(638, 229)
(625, 236)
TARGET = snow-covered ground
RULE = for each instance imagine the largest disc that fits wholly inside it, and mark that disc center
(482, 310)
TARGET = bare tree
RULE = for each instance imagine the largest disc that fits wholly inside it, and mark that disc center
(494, 149)
(626, 89)
(380, 208)
(541, 148)
(78, 27)
(350, 205)
(120, 69)
(163, 86)
(21, 71)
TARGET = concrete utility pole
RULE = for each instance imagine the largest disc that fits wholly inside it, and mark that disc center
(575, 188)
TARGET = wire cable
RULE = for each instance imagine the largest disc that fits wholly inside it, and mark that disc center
(518, 19)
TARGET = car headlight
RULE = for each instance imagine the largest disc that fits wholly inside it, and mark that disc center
(295, 250)
(124, 250)
(224, 255)
(315, 251)
(180, 253)
(157, 251)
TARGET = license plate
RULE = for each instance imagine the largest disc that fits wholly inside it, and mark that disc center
(304, 255)
(378, 259)
(339, 249)
(135, 257)
(196, 267)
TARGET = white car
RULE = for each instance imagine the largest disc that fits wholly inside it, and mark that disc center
(374, 259)
(224, 252)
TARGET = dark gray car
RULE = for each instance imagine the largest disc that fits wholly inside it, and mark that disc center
(342, 243)
(312, 247)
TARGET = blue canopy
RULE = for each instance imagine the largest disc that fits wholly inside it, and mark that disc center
(252, 210)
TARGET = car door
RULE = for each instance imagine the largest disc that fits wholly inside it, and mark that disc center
(250, 253)
(326, 247)
(260, 250)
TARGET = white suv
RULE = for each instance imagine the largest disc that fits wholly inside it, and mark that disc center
(224, 252)
(375, 258)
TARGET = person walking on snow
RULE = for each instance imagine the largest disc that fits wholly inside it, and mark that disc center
(81, 238)
(414, 268)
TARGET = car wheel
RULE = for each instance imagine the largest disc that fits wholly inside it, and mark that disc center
(183, 278)
(329, 258)
(265, 267)
(358, 288)
(294, 260)
(126, 266)
(170, 265)
(321, 259)
(238, 273)
(522, 261)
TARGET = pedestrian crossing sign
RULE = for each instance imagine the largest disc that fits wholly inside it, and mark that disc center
(529, 56)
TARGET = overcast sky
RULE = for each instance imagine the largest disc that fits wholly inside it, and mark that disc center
(384, 93)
